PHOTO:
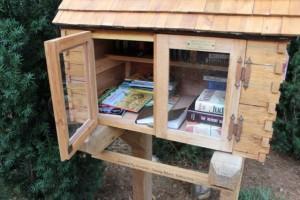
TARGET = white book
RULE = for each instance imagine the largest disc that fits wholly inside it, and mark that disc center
(176, 117)
(211, 101)
(203, 129)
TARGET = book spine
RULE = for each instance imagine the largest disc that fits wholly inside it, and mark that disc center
(213, 85)
(209, 108)
(204, 118)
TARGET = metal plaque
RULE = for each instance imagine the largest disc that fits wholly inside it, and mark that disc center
(201, 45)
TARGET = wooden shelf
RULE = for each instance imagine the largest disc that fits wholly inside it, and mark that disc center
(104, 64)
(172, 63)
(126, 122)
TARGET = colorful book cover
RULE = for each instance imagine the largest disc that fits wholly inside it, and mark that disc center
(127, 98)
(211, 101)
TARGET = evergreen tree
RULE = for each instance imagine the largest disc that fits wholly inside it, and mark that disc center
(287, 126)
(30, 166)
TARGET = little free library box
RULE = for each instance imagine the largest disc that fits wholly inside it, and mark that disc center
(200, 72)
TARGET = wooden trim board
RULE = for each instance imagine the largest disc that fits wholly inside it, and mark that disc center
(186, 175)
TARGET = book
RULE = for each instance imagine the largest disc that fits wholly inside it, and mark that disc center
(203, 129)
(146, 114)
(113, 111)
(173, 99)
(175, 120)
(105, 94)
(214, 78)
(211, 101)
(215, 82)
(148, 85)
(127, 98)
(203, 117)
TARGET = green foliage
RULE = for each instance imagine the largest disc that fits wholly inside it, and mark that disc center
(257, 193)
(287, 126)
(173, 152)
(30, 166)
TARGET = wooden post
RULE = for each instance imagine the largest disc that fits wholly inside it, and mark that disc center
(226, 171)
(141, 145)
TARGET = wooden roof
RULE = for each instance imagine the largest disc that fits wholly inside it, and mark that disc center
(263, 17)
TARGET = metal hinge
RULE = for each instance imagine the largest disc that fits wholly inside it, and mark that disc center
(243, 73)
(235, 128)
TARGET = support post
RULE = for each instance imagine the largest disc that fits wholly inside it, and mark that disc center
(226, 171)
(141, 145)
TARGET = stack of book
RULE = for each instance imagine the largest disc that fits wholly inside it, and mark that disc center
(132, 95)
(205, 114)
(126, 97)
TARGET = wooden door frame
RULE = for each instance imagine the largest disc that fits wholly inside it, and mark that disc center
(53, 49)
(163, 43)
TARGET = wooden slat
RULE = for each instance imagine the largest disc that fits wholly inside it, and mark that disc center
(294, 7)
(253, 24)
(280, 7)
(155, 168)
(204, 22)
(127, 123)
(262, 7)
(228, 6)
(272, 26)
(189, 21)
(105, 64)
(123, 35)
(250, 114)
(290, 26)
(213, 6)
(191, 6)
(107, 18)
(161, 80)
(174, 21)
(244, 6)
(236, 24)
(172, 63)
(220, 23)
(264, 80)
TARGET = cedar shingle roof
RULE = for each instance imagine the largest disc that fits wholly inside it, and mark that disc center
(263, 17)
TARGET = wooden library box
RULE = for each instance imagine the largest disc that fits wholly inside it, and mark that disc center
(212, 71)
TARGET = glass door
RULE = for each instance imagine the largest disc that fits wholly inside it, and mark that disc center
(73, 89)
(197, 89)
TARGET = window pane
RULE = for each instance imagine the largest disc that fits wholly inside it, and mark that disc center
(197, 87)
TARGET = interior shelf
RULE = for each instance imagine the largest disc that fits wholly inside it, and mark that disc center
(126, 122)
(149, 60)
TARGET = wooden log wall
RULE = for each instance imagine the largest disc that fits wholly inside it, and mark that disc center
(258, 102)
